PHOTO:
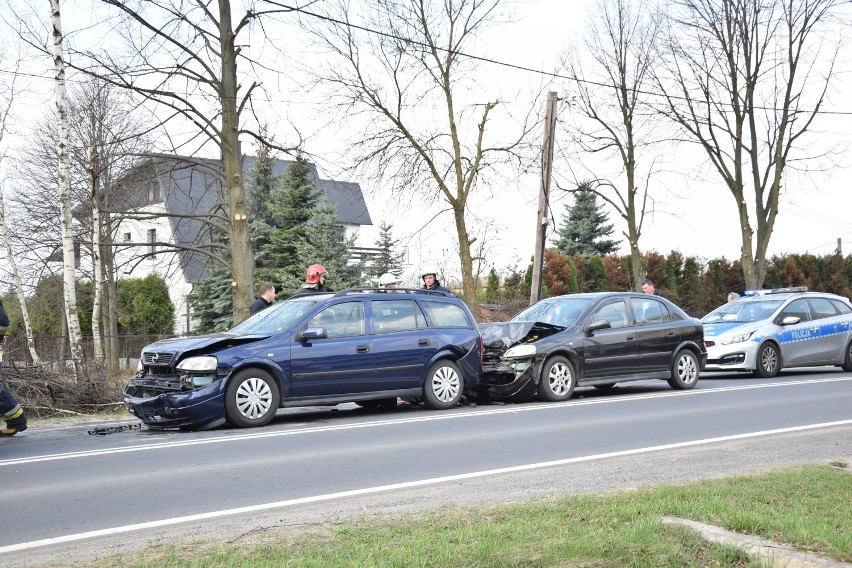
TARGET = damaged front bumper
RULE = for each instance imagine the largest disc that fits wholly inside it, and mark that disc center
(199, 408)
(510, 380)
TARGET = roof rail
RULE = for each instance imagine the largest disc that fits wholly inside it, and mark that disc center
(374, 290)
(776, 291)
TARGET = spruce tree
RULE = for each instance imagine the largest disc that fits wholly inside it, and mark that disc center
(387, 260)
(492, 288)
(585, 227)
(325, 244)
(260, 184)
(290, 206)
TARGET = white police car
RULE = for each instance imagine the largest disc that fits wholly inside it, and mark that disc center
(768, 330)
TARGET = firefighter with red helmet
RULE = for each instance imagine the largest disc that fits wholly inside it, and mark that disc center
(314, 281)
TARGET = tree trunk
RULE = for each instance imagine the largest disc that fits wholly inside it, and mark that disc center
(242, 259)
(97, 269)
(66, 228)
(19, 289)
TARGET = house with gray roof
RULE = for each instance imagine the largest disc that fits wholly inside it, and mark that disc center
(170, 197)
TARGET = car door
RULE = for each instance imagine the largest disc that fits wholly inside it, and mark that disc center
(342, 362)
(799, 341)
(402, 344)
(656, 336)
(832, 334)
(611, 351)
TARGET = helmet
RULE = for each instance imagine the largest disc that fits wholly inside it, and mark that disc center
(314, 272)
(387, 278)
(429, 270)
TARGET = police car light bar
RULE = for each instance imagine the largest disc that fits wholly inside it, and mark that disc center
(776, 291)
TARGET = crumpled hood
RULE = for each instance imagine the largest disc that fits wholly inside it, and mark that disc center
(497, 337)
(201, 342)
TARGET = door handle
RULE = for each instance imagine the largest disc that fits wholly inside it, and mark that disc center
(422, 342)
(815, 329)
(630, 338)
(362, 349)
(670, 333)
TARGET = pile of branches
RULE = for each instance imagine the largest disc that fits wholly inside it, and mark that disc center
(48, 392)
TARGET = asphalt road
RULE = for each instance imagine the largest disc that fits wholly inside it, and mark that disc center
(75, 494)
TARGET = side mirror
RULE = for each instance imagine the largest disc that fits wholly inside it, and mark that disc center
(599, 324)
(313, 333)
(790, 320)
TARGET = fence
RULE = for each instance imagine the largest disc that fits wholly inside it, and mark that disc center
(54, 350)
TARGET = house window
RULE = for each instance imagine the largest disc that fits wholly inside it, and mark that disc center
(153, 192)
(152, 239)
(126, 237)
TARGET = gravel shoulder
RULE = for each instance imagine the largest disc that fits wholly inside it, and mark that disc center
(742, 457)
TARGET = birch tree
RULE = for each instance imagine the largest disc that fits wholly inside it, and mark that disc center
(66, 228)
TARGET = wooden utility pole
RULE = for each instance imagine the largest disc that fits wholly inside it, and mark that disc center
(543, 196)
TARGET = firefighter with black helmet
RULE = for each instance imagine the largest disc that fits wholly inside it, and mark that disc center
(430, 280)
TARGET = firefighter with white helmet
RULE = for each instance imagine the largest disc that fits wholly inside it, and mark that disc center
(388, 281)
(430, 280)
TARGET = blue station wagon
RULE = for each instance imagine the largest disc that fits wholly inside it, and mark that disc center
(360, 345)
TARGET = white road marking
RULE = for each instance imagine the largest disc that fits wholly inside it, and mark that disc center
(397, 486)
(513, 409)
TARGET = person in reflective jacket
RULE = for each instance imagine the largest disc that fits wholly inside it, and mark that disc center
(10, 411)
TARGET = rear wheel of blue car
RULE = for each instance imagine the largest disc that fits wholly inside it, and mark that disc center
(557, 379)
(444, 385)
(684, 374)
(251, 398)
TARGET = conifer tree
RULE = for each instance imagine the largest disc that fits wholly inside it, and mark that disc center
(595, 277)
(326, 244)
(290, 206)
(387, 260)
(492, 288)
(260, 185)
(584, 228)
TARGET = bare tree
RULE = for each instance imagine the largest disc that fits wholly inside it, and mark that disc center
(401, 67)
(745, 80)
(610, 78)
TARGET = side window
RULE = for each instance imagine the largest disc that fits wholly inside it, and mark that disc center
(341, 320)
(841, 307)
(614, 312)
(396, 315)
(648, 310)
(447, 315)
(797, 308)
(822, 308)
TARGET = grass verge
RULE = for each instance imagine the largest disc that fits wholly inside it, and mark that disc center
(809, 507)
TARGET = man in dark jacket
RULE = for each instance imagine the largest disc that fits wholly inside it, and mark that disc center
(649, 287)
(10, 411)
(314, 281)
(265, 297)
(430, 280)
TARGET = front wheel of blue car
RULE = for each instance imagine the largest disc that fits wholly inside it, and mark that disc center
(444, 386)
(251, 398)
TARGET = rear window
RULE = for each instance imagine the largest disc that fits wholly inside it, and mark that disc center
(822, 308)
(396, 315)
(447, 315)
(648, 310)
(841, 307)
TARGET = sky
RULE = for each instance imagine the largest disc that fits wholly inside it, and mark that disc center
(692, 213)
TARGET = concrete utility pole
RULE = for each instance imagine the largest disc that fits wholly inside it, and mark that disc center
(543, 196)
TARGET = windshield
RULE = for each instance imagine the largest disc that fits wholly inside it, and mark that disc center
(558, 311)
(277, 317)
(743, 312)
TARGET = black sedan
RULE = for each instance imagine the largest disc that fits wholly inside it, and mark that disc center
(594, 340)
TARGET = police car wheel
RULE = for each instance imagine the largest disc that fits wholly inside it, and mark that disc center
(558, 380)
(847, 363)
(251, 398)
(685, 371)
(768, 361)
(444, 386)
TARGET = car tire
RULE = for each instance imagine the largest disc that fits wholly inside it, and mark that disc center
(251, 398)
(444, 385)
(558, 379)
(768, 361)
(685, 370)
(847, 362)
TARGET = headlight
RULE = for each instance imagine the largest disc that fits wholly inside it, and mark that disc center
(739, 338)
(139, 365)
(204, 364)
(520, 351)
